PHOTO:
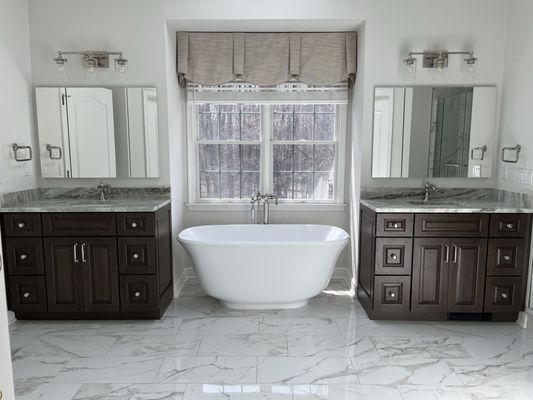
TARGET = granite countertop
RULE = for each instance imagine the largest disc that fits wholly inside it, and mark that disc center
(142, 203)
(446, 205)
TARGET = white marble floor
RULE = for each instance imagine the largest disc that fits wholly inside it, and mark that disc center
(326, 350)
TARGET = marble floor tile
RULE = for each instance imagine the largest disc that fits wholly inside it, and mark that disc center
(366, 327)
(243, 345)
(155, 346)
(109, 370)
(468, 329)
(345, 392)
(68, 346)
(37, 369)
(328, 346)
(218, 369)
(164, 326)
(298, 326)
(191, 308)
(328, 307)
(241, 392)
(432, 392)
(218, 326)
(114, 391)
(19, 341)
(417, 347)
(37, 328)
(46, 391)
(293, 370)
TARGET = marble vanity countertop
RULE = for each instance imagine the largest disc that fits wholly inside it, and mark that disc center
(114, 204)
(449, 205)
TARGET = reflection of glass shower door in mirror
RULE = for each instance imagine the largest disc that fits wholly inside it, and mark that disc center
(91, 132)
(151, 132)
(452, 114)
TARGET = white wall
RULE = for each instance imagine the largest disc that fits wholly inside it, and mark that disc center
(16, 103)
(516, 127)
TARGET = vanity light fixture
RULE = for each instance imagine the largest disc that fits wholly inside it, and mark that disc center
(437, 61)
(93, 60)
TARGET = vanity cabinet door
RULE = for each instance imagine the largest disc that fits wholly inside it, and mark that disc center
(503, 295)
(431, 258)
(506, 257)
(509, 225)
(100, 274)
(63, 274)
(466, 279)
(24, 256)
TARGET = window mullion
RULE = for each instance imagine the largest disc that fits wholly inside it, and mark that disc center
(266, 154)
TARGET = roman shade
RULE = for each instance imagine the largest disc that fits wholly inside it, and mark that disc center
(266, 58)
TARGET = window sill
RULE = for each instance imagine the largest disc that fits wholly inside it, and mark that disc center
(238, 207)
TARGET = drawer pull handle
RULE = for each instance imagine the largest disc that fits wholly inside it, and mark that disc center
(507, 258)
(394, 256)
(23, 257)
(135, 256)
(26, 295)
(504, 295)
(509, 226)
(137, 294)
(134, 224)
(21, 225)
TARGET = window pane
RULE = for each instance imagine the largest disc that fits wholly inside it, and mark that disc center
(303, 126)
(230, 159)
(209, 188)
(283, 108)
(304, 108)
(249, 183)
(324, 186)
(208, 108)
(229, 126)
(230, 185)
(325, 157)
(250, 108)
(251, 127)
(251, 157)
(303, 185)
(325, 108)
(208, 126)
(282, 155)
(282, 126)
(208, 157)
(324, 126)
(283, 185)
(229, 108)
(303, 158)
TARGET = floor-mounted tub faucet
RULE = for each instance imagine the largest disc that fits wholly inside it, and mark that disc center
(258, 200)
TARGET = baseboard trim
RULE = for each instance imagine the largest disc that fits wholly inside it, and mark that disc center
(186, 274)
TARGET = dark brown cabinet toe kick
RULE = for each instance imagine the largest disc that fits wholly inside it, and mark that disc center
(443, 266)
(88, 265)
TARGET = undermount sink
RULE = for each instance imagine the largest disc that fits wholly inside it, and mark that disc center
(435, 203)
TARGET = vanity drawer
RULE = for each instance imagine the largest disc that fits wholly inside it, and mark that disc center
(22, 224)
(505, 257)
(393, 256)
(392, 293)
(138, 293)
(24, 256)
(135, 224)
(136, 255)
(508, 225)
(451, 225)
(27, 293)
(79, 224)
(503, 294)
(394, 225)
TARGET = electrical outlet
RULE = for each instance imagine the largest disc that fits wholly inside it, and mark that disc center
(476, 171)
(524, 176)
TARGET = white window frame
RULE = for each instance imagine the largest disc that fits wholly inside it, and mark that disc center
(266, 166)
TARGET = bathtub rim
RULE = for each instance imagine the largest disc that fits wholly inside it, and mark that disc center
(346, 239)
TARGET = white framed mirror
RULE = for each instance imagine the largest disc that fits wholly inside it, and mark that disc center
(434, 132)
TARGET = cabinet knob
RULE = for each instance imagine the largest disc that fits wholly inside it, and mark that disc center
(23, 257)
(135, 256)
(507, 258)
(509, 226)
(134, 224)
(26, 295)
(396, 225)
(393, 295)
(394, 256)
(504, 295)
(21, 224)
(137, 294)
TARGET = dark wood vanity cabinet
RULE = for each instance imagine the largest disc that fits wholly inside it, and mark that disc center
(88, 265)
(440, 266)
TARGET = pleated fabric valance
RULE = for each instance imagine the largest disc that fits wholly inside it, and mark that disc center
(266, 59)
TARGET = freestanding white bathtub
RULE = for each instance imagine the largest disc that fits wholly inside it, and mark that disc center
(264, 266)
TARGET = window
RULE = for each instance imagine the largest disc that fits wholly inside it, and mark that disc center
(291, 149)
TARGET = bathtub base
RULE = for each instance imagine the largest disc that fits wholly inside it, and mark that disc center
(273, 306)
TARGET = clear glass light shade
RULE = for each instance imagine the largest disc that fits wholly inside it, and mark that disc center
(470, 69)
(409, 69)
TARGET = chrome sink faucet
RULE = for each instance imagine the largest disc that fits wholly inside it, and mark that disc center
(429, 189)
(257, 201)
(103, 188)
